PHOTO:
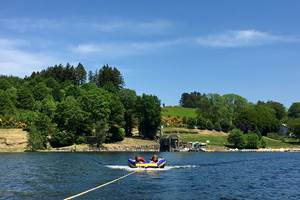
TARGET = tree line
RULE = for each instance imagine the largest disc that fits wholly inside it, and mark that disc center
(230, 111)
(59, 107)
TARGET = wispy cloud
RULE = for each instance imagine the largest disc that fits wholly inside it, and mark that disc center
(120, 25)
(113, 49)
(16, 60)
(241, 38)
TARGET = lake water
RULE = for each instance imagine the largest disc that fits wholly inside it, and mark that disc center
(188, 176)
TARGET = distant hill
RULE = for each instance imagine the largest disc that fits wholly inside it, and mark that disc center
(178, 111)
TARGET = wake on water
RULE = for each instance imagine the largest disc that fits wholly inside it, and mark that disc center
(166, 168)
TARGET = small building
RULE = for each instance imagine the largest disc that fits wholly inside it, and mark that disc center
(284, 130)
(169, 143)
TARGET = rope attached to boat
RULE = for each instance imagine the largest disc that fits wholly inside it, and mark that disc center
(100, 186)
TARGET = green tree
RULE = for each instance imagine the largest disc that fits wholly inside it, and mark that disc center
(191, 123)
(61, 139)
(4, 83)
(40, 91)
(101, 132)
(109, 78)
(294, 125)
(294, 110)
(25, 98)
(96, 102)
(236, 139)
(252, 141)
(279, 108)
(35, 139)
(48, 106)
(128, 98)
(6, 105)
(258, 118)
(201, 122)
(39, 130)
(149, 115)
(70, 117)
(80, 74)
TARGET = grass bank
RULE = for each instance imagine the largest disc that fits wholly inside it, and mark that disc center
(216, 138)
(178, 111)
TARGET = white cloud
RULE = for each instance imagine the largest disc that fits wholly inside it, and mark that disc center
(242, 38)
(28, 24)
(16, 60)
(113, 49)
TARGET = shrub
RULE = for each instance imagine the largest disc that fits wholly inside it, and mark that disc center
(116, 134)
(217, 126)
(191, 123)
(81, 140)
(236, 139)
(35, 139)
(263, 143)
(209, 125)
(61, 139)
(226, 125)
(201, 123)
(252, 141)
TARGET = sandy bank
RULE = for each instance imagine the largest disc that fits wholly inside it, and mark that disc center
(13, 140)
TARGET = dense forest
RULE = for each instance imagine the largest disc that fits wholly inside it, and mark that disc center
(59, 107)
(231, 111)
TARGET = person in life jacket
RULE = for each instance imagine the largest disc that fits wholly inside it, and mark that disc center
(140, 159)
(154, 158)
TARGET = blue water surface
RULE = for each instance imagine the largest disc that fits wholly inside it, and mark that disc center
(223, 176)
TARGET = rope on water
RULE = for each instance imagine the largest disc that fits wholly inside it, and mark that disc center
(100, 186)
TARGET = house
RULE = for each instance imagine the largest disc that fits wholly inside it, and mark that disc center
(284, 130)
(169, 143)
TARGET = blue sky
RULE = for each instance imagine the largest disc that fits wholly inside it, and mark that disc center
(165, 48)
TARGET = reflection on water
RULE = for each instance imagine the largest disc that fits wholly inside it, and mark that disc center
(186, 176)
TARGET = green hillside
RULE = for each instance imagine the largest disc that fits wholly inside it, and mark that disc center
(178, 111)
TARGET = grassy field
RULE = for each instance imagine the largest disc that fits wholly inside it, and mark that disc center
(213, 139)
(219, 138)
(272, 143)
(178, 111)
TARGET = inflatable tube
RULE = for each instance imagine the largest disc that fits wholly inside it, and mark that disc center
(160, 164)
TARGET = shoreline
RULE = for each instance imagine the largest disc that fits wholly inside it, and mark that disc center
(85, 149)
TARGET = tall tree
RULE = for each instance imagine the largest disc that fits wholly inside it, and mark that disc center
(40, 91)
(7, 107)
(128, 98)
(279, 108)
(294, 110)
(70, 117)
(149, 115)
(25, 98)
(110, 78)
(80, 74)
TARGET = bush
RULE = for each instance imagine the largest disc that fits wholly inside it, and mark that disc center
(217, 126)
(263, 143)
(236, 139)
(61, 139)
(201, 123)
(116, 134)
(35, 139)
(81, 140)
(252, 141)
(191, 123)
(226, 125)
(209, 125)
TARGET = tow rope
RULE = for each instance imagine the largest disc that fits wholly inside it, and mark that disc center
(99, 186)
